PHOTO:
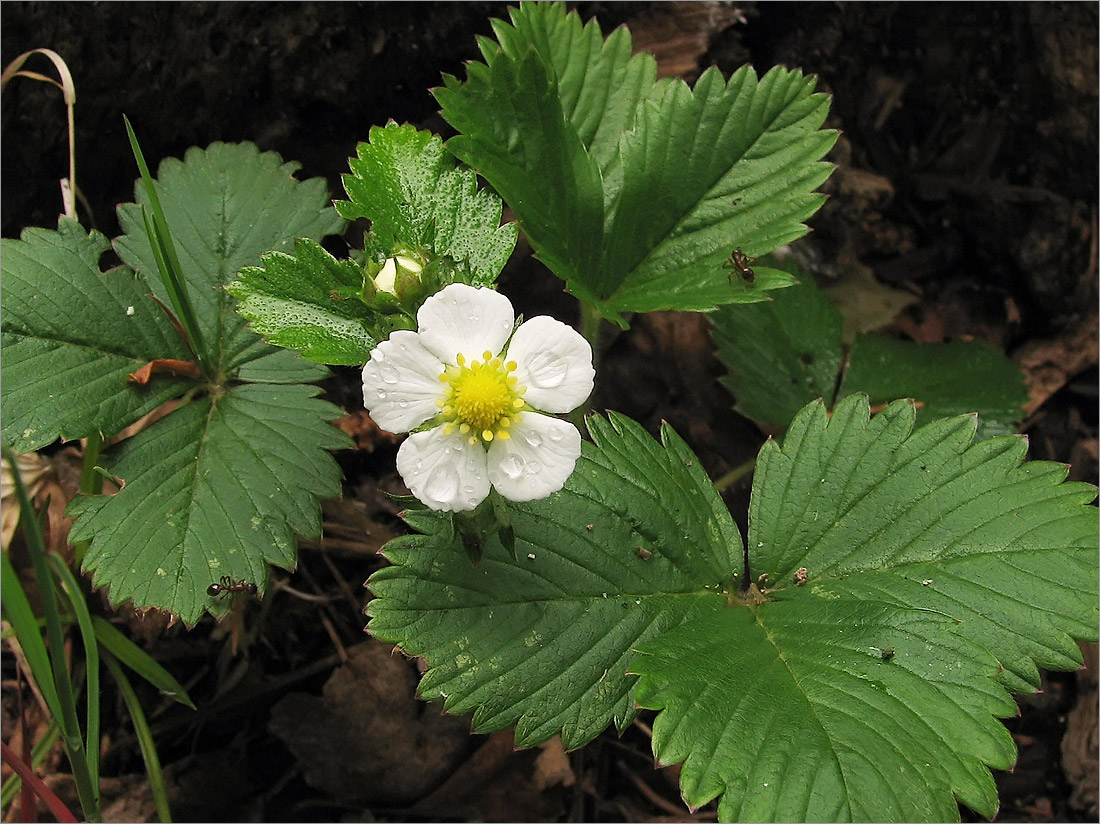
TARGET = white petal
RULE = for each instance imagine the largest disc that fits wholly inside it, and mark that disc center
(401, 383)
(462, 319)
(536, 460)
(445, 472)
(554, 362)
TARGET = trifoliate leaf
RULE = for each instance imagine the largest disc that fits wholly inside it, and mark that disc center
(415, 197)
(218, 488)
(693, 175)
(946, 378)
(788, 351)
(226, 205)
(298, 301)
(908, 578)
(637, 542)
(71, 335)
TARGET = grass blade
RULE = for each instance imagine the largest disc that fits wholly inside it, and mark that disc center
(144, 736)
(137, 659)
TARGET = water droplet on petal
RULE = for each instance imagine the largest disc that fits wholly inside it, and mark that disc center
(547, 370)
(388, 373)
(533, 438)
(442, 484)
(534, 467)
(512, 466)
(381, 395)
(556, 435)
(378, 355)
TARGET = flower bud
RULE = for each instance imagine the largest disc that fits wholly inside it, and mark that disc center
(386, 279)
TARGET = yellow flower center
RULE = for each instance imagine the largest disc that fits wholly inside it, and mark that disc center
(481, 398)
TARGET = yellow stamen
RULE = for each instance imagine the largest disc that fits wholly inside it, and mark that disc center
(481, 398)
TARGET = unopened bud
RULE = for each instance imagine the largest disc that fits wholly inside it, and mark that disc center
(386, 278)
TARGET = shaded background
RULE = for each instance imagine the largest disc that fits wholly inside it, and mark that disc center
(966, 185)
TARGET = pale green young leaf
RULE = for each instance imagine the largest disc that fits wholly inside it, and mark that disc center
(226, 205)
(637, 542)
(909, 579)
(416, 198)
(71, 334)
(219, 487)
(297, 301)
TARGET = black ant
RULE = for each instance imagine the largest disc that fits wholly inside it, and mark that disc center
(740, 261)
(227, 585)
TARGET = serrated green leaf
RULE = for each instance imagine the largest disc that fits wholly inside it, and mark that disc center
(294, 301)
(637, 542)
(415, 197)
(644, 220)
(787, 352)
(71, 334)
(281, 366)
(226, 205)
(219, 487)
(909, 578)
(930, 520)
(827, 710)
(532, 157)
(782, 354)
(721, 166)
(946, 378)
(599, 83)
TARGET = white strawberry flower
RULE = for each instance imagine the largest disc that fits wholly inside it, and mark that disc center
(473, 395)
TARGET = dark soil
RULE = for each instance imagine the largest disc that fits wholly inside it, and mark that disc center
(966, 180)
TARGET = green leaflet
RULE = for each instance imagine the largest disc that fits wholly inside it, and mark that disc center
(295, 301)
(643, 219)
(791, 712)
(219, 487)
(70, 336)
(637, 542)
(929, 520)
(787, 352)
